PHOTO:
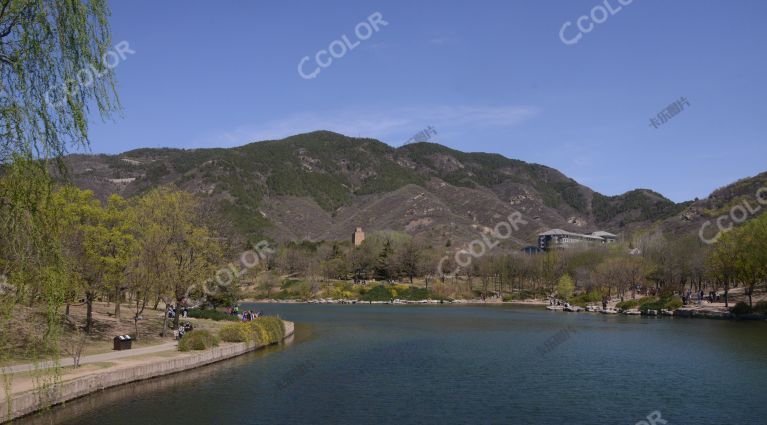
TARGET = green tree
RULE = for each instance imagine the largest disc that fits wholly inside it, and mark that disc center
(52, 71)
(722, 262)
(383, 268)
(32, 265)
(83, 239)
(45, 45)
(113, 243)
(149, 271)
(751, 254)
(192, 253)
(565, 287)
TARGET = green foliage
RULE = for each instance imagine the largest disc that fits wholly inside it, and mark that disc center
(378, 293)
(674, 303)
(572, 194)
(31, 222)
(650, 205)
(200, 339)
(565, 287)
(262, 330)
(191, 252)
(402, 292)
(666, 302)
(236, 332)
(586, 298)
(268, 330)
(627, 304)
(223, 295)
(46, 44)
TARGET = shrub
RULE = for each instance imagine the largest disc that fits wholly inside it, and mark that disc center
(650, 303)
(197, 340)
(377, 293)
(267, 330)
(674, 303)
(263, 330)
(521, 295)
(210, 314)
(741, 308)
(403, 292)
(627, 305)
(667, 303)
(236, 332)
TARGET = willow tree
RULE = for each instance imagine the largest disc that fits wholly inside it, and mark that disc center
(53, 75)
(32, 269)
(54, 72)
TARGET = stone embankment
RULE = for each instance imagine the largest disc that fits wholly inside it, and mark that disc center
(31, 401)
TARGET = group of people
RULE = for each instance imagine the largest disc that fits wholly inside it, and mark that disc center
(246, 316)
(557, 301)
(171, 313)
(249, 315)
(713, 297)
(182, 329)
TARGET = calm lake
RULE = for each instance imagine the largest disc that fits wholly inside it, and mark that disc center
(391, 364)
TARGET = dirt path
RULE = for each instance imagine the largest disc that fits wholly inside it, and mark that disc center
(95, 358)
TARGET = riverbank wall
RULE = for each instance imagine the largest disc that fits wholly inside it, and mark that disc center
(32, 401)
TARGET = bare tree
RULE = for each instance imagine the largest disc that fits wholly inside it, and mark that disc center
(74, 345)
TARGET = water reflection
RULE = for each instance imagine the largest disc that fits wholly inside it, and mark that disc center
(459, 364)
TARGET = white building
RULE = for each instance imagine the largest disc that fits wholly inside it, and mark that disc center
(560, 239)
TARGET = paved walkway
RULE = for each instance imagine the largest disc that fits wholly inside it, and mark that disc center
(95, 358)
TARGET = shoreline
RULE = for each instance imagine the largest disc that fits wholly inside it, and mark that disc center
(694, 312)
(28, 402)
(399, 302)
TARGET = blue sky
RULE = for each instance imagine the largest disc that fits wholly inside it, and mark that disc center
(491, 76)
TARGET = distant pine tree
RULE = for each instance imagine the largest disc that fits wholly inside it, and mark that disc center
(382, 269)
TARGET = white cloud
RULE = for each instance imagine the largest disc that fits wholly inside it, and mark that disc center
(393, 126)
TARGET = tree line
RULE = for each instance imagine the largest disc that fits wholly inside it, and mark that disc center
(61, 245)
(647, 263)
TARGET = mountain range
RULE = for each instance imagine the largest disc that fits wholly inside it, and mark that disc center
(322, 185)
